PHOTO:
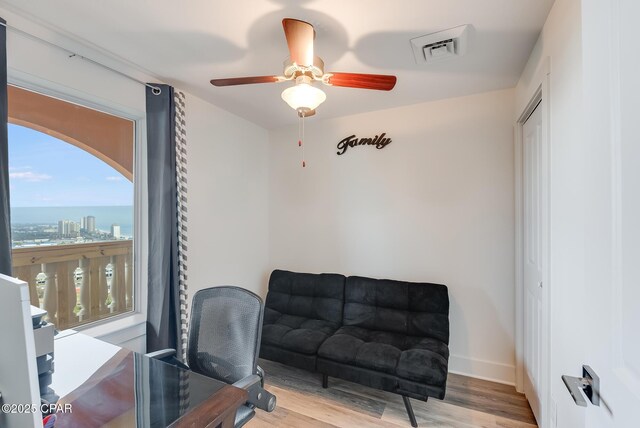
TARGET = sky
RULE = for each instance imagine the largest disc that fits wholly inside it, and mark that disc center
(47, 172)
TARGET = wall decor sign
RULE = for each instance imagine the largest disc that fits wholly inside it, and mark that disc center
(380, 141)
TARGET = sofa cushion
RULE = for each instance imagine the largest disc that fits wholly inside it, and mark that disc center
(304, 341)
(385, 351)
(347, 349)
(342, 348)
(378, 356)
(302, 310)
(312, 296)
(294, 333)
(422, 365)
(290, 358)
(428, 344)
(412, 309)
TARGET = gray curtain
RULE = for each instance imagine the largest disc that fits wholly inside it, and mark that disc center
(5, 213)
(163, 312)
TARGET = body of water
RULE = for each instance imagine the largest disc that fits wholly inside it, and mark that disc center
(105, 216)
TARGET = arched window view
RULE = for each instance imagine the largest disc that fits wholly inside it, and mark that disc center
(72, 222)
(60, 194)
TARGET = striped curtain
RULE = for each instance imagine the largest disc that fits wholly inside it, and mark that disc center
(181, 185)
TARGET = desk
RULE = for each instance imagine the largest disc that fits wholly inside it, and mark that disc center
(108, 386)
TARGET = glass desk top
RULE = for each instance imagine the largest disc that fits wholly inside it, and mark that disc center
(108, 386)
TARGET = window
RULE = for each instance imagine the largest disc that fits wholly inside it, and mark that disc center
(72, 215)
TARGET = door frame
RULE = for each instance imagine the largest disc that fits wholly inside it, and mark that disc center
(540, 92)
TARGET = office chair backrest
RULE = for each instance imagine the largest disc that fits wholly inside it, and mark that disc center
(225, 330)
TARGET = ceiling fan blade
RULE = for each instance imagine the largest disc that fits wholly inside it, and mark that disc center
(379, 82)
(246, 80)
(300, 35)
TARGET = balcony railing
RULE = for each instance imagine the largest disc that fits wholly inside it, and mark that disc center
(79, 283)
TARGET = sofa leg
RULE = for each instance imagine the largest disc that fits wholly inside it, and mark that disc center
(412, 417)
(325, 380)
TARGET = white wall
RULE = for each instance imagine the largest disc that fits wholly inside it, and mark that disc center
(227, 199)
(227, 163)
(561, 43)
(437, 204)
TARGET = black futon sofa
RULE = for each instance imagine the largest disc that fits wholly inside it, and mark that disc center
(385, 334)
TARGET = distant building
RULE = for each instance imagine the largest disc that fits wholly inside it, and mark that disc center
(68, 229)
(74, 229)
(90, 224)
(115, 231)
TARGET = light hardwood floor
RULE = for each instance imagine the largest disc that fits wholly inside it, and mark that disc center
(302, 402)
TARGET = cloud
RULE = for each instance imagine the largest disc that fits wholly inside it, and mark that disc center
(30, 176)
(19, 168)
(115, 178)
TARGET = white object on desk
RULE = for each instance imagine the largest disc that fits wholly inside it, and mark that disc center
(89, 355)
(18, 370)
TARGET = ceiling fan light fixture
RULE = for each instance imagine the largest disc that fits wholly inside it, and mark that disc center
(303, 96)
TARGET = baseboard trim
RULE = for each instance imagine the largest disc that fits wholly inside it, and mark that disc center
(482, 369)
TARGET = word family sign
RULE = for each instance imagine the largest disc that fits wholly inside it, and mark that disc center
(352, 141)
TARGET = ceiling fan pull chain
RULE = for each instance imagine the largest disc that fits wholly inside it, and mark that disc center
(299, 131)
(304, 164)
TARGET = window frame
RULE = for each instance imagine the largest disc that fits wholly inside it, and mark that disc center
(129, 326)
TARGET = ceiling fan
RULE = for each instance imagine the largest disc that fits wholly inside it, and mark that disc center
(304, 68)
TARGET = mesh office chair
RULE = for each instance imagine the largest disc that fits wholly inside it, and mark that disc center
(224, 343)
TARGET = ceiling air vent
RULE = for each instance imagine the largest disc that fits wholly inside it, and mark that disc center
(440, 46)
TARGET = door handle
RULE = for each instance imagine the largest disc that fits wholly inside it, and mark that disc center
(589, 383)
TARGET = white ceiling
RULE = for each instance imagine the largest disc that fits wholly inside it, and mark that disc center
(187, 43)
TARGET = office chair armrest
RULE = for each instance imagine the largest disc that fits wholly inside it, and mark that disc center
(258, 396)
(162, 354)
